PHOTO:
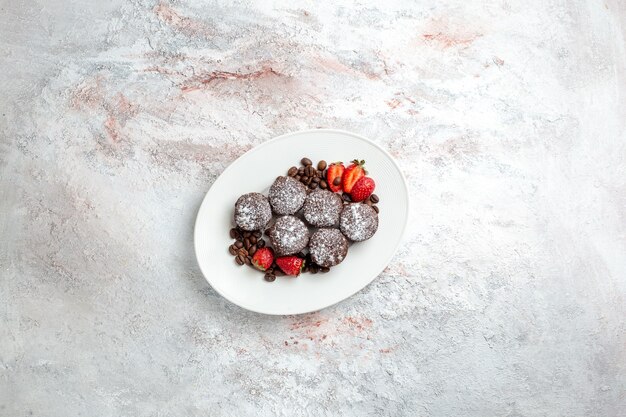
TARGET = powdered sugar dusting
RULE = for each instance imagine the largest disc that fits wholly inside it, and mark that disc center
(252, 211)
(322, 208)
(288, 235)
(287, 195)
(358, 222)
(328, 247)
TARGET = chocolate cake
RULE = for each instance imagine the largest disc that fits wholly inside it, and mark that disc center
(328, 247)
(288, 235)
(322, 208)
(358, 222)
(252, 212)
(287, 195)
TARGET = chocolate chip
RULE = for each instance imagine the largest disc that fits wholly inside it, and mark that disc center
(374, 198)
(239, 244)
(306, 162)
(321, 165)
(292, 171)
(337, 181)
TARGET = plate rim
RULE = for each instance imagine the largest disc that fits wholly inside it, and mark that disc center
(266, 143)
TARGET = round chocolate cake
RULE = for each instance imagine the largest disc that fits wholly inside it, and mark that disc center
(322, 208)
(358, 222)
(328, 247)
(252, 212)
(287, 195)
(288, 235)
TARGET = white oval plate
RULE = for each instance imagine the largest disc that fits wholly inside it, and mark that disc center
(255, 171)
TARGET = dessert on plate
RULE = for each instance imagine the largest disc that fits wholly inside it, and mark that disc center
(312, 216)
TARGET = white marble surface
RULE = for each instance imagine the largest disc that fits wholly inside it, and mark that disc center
(508, 117)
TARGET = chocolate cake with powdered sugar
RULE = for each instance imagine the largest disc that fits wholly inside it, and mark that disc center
(322, 208)
(286, 195)
(358, 222)
(328, 247)
(252, 212)
(288, 235)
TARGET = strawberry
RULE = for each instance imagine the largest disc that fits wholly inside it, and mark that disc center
(362, 189)
(291, 265)
(352, 174)
(263, 258)
(335, 170)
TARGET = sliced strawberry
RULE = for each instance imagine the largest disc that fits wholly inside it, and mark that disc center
(362, 189)
(291, 265)
(263, 258)
(352, 174)
(335, 170)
